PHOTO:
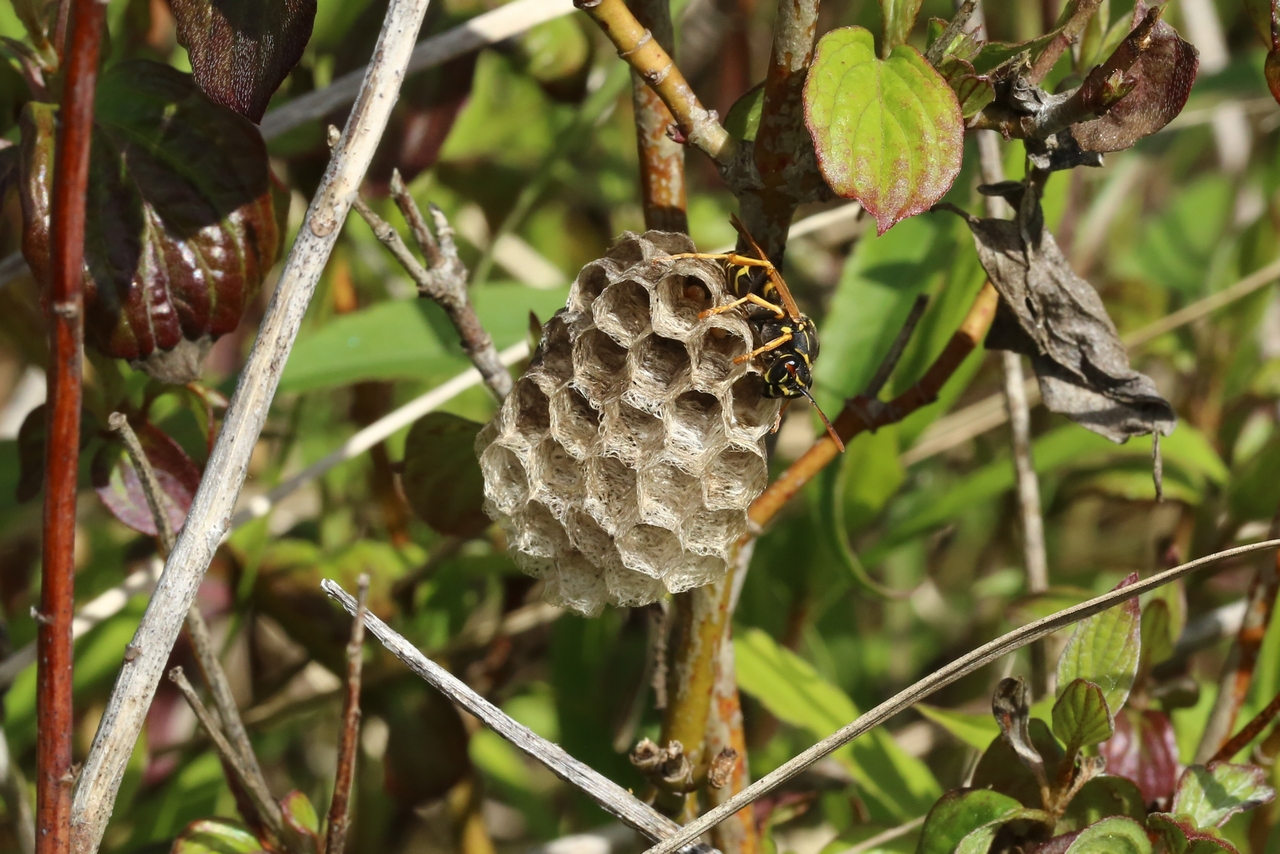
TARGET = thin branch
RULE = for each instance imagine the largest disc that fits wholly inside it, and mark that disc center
(417, 223)
(446, 285)
(699, 126)
(349, 746)
(1251, 730)
(197, 629)
(1034, 554)
(1237, 673)
(937, 680)
(875, 842)
(492, 27)
(987, 414)
(615, 800)
(896, 349)
(783, 150)
(263, 802)
(662, 190)
(54, 718)
(1070, 33)
(224, 476)
(867, 413)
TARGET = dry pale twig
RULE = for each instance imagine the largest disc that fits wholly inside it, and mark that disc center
(345, 775)
(1034, 553)
(197, 629)
(445, 283)
(944, 676)
(258, 793)
(224, 476)
(609, 795)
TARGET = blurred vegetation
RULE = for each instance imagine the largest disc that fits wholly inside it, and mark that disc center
(542, 125)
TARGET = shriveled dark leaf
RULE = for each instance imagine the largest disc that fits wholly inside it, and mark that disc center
(441, 476)
(1162, 76)
(118, 484)
(1001, 769)
(1144, 750)
(182, 223)
(1181, 835)
(1013, 712)
(1055, 317)
(242, 50)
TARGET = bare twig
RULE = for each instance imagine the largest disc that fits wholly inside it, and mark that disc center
(54, 718)
(661, 158)
(609, 795)
(783, 150)
(263, 802)
(987, 414)
(224, 476)
(940, 678)
(890, 361)
(875, 842)
(1034, 554)
(1251, 730)
(197, 629)
(699, 126)
(492, 27)
(1071, 31)
(445, 284)
(345, 775)
(1237, 672)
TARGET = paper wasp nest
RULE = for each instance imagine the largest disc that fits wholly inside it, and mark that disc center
(623, 462)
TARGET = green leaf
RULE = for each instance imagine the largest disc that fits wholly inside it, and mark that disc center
(1115, 835)
(899, 18)
(1081, 717)
(182, 225)
(1180, 836)
(1178, 247)
(301, 817)
(213, 836)
(1209, 796)
(975, 730)
(743, 120)
(960, 813)
(900, 786)
(1099, 798)
(1104, 650)
(441, 478)
(887, 132)
(242, 50)
(397, 340)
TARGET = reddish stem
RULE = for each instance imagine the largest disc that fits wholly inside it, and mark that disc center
(66, 320)
(340, 806)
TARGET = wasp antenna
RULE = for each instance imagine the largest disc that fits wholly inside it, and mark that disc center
(831, 431)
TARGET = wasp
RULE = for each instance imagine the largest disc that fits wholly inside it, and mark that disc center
(789, 341)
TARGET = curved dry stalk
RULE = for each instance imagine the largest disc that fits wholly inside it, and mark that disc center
(210, 512)
(345, 775)
(944, 676)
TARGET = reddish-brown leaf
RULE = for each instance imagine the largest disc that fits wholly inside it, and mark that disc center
(117, 483)
(1144, 750)
(242, 50)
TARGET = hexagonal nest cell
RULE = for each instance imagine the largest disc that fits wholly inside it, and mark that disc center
(622, 464)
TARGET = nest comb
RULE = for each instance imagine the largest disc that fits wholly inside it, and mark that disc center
(622, 464)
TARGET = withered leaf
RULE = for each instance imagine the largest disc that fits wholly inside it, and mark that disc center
(118, 484)
(1162, 75)
(242, 50)
(182, 225)
(1056, 318)
(1013, 712)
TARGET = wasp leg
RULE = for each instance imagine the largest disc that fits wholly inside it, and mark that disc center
(732, 257)
(754, 299)
(772, 345)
